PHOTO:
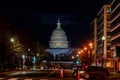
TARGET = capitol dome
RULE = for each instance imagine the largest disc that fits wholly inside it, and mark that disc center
(58, 33)
(58, 38)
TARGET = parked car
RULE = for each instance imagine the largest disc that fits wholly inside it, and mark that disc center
(81, 71)
(91, 72)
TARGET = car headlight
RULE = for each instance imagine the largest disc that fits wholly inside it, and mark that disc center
(82, 71)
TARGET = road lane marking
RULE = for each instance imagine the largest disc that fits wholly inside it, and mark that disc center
(81, 79)
(2, 78)
(27, 79)
(13, 79)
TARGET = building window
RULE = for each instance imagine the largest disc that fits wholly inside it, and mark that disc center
(108, 39)
(108, 10)
(108, 25)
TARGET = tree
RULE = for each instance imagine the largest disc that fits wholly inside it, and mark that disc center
(4, 48)
(12, 49)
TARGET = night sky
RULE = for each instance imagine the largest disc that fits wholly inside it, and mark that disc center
(38, 18)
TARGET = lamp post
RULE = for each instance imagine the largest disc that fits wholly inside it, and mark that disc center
(34, 61)
(91, 46)
(37, 62)
(73, 59)
(12, 41)
(103, 39)
(23, 57)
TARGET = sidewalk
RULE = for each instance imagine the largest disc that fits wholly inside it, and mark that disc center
(114, 76)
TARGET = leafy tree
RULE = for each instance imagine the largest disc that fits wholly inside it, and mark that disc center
(10, 51)
(4, 48)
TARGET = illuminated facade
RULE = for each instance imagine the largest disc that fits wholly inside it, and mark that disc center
(58, 44)
(101, 28)
(107, 24)
(58, 38)
(115, 27)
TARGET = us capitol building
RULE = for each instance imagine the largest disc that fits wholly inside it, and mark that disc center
(58, 43)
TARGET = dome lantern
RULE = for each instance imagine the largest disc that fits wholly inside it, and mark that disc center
(58, 24)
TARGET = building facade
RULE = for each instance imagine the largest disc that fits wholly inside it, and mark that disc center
(58, 44)
(58, 38)
(115, 27)
(102, 33)
(93, 37)
(107, 25)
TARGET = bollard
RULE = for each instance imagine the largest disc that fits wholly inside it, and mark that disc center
(61, 73)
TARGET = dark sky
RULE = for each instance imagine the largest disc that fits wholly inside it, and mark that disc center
(39, 17)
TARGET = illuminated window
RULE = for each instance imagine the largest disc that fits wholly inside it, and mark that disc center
(108, 10)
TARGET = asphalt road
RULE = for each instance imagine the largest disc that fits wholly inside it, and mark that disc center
(42, 75)
(37, 75)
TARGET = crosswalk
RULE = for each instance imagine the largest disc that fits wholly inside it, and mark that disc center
(20, 79)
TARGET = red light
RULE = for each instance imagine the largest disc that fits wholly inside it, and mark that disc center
(85, 67)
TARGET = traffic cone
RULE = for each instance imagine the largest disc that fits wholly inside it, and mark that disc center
(61, 73)
(78, 75)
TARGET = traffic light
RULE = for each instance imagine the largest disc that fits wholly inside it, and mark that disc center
(77, 61)
(34, 58)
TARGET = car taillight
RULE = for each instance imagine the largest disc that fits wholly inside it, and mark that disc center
(86, 67)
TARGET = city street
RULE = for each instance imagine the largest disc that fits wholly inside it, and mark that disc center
(37, 75)
(42, 75)
(60, 40)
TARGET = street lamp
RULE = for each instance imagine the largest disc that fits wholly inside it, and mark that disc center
(37, 63)
(79, 52)
(85, 48)
(73, 57)
(91, 46)
(103, 39)
(12, 41)
(77, 55)
(28, 49)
